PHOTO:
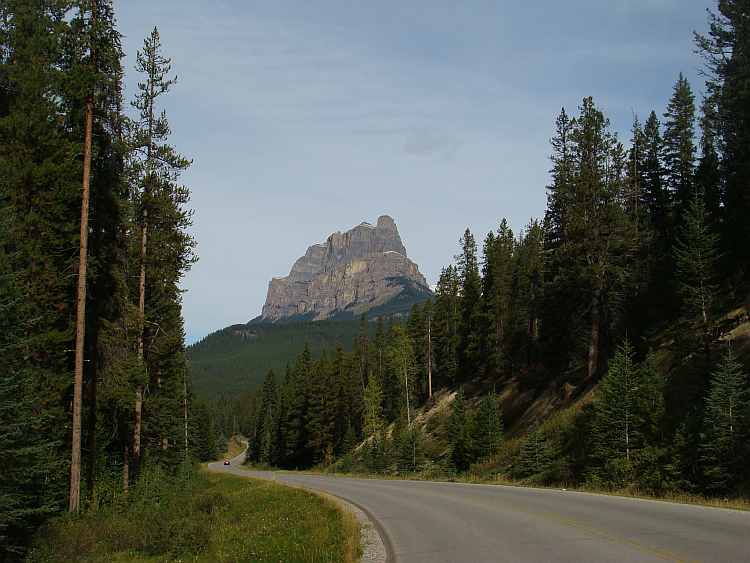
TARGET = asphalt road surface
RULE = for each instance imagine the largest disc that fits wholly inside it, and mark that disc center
(454, 522)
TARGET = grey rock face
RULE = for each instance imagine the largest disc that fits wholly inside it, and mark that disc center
(354, 267)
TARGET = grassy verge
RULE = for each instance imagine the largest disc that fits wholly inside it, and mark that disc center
(235, 448)
(214, 518)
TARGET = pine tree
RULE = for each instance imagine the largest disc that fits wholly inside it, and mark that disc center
(656, 197)
(590, 237)
(470, 338)
(696, 253)
(402, 365)
(527, 283)
(679, 145)
(458, 433)
(708, 178)
(616, 426)
(411, 450)
(498, 315)
(446, 324)
(39, 196)
(373, 408)
(534, 455)
(268, 419)
(652, 386)
(488, 428)
(725, 51)
(724, 452)
(164, 250)
(25, 462)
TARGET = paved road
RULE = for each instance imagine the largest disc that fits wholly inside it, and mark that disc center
(455, 522)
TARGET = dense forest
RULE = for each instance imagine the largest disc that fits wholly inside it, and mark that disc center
(620, 296)
(94, 387)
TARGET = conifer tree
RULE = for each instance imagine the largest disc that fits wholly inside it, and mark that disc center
(411, 450)
(164, 250)
(403, 366)
(458, 433)
(652, 385)
(268, 419)
(724, 452)
(725, 52)
(373, 408)
(534, 454)
(470, 327)
(25, 462)
(590, 237)
(488, 428)
(679, 145)
(655, 194)
(447, 318)
(696, 253)
(40, 183)
(527, 284)
(616, 426)
(498, 315)
(709, 184)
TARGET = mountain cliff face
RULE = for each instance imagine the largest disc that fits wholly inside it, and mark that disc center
(352, 272)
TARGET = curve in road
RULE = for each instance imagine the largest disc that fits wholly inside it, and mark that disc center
(459, 522)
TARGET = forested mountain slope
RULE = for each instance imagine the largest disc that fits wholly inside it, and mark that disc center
(238, 357)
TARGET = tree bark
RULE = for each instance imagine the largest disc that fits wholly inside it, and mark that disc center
(429, 354)
(75, 459)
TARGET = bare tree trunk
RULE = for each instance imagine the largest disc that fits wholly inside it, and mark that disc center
(185, 407)
(142, 311)
(75, 458)
(429, 354)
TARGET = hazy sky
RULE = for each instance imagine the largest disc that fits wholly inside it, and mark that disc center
(307, 117)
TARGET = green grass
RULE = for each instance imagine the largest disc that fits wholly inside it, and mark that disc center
(215, 518)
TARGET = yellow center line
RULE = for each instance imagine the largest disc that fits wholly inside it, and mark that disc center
(662, 553)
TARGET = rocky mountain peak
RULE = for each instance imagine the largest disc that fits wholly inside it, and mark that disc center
(355, 267)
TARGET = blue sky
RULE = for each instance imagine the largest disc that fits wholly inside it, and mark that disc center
(305, 118)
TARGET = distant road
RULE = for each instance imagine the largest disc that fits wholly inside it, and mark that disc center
(454, 522)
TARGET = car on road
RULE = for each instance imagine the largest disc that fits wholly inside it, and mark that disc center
(226, 462)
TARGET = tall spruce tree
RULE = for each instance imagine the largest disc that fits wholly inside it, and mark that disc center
(488, 428)
(162, 247)
(616, 427)
(724, 452)
(40, 181)
(25, 461)
(679, 144)
(696, 253)
(447, 319)
(497, 311)
(527, 284)
(470, 327)
(590, 237)
(726, 50)
(161, 251)
(459, 434)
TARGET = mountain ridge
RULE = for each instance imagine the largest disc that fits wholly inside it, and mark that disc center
(350, 271)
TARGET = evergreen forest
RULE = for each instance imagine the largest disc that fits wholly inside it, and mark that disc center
(94, 384)
(605, 344)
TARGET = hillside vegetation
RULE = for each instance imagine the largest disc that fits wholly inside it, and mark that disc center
(236, 358)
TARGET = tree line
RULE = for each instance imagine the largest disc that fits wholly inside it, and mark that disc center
(94, 384)
(638, 244)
